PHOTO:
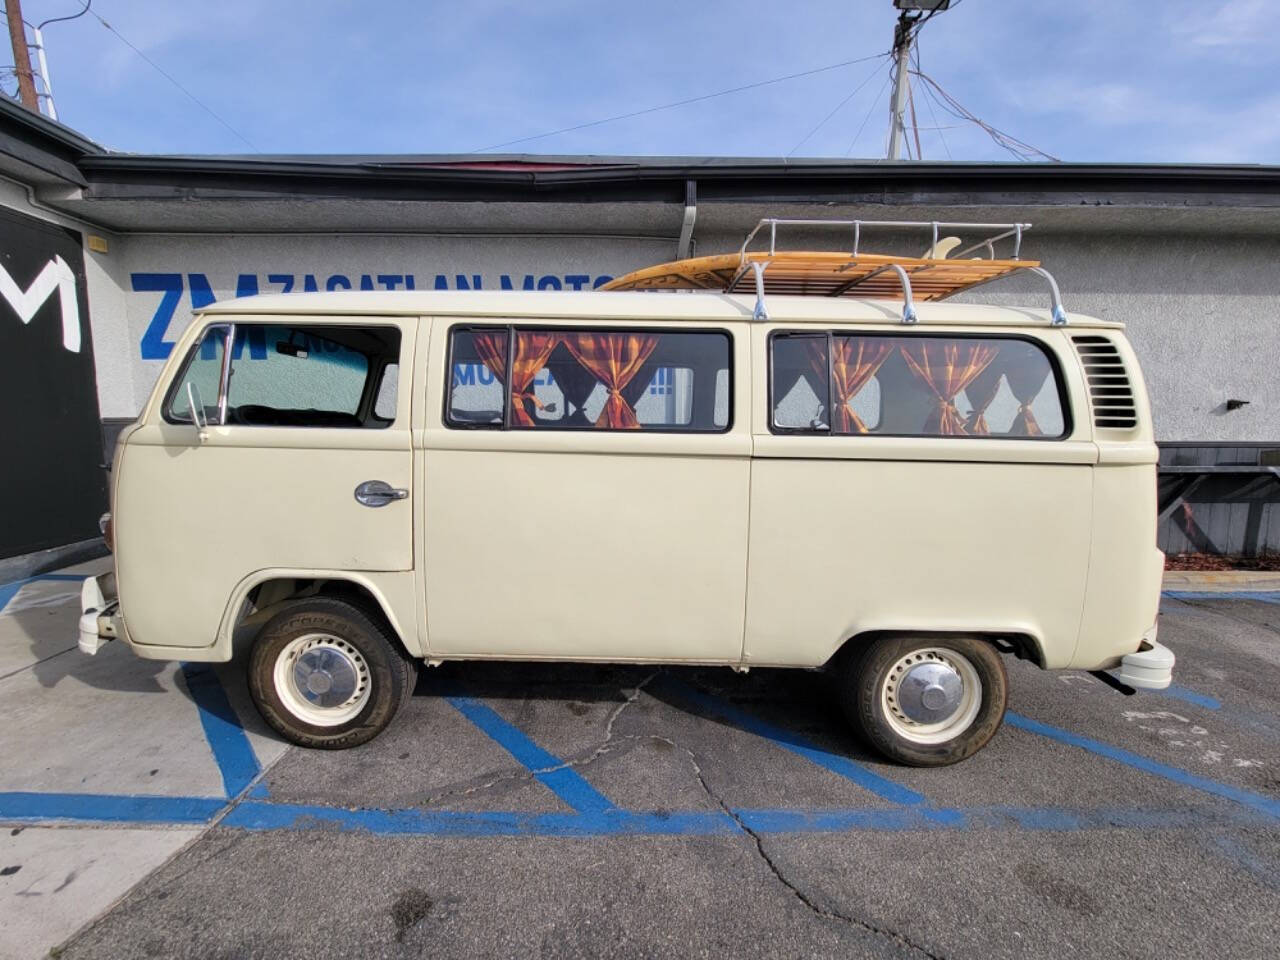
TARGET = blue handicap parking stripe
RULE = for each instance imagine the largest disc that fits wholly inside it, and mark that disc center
(232, 751)
(1261, 596)
(10, 590)
(1190, 696)
(108, 808)
(254, 815)
(1255, 801)
(789, 740)
(551, 771)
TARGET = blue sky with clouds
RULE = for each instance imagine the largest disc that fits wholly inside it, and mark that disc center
(1086, 80)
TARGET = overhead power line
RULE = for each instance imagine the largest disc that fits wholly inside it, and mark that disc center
(1018, 148)
(160, 70)
(681, 103)
(838, 107)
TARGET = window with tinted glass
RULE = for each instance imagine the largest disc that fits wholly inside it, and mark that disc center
(926, 386)
(605, 379)
(282, 375)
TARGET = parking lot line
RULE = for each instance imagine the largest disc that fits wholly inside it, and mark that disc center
(789, 740)
(10, 590)
(554, 773)
(232, 751)
(1261, 596)
(108, 808)
(1190, 696)
(1255, 801)
(268, 816)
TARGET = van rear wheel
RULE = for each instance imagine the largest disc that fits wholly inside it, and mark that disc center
(324, 674)
(926, 701)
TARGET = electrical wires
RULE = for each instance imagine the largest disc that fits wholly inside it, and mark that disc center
(680, 103)
(1019, 149)
(823, 122)
(160, 70)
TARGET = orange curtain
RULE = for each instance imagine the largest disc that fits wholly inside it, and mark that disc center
(492, 348)
(1026, 382)
(854, 362)
(614, 359)
(532, 351)
(947, 367)
(981, 392)
(531, 354)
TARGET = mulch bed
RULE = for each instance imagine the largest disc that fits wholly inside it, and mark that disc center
(1208, 561)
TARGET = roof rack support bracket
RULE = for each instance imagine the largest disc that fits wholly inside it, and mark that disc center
(1059, 315)
(757, 267)
(908, 307)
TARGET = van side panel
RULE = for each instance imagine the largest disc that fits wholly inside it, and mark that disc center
(1125, 567)
(843, 547)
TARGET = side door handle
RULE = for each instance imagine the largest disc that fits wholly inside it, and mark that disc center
(378, 493)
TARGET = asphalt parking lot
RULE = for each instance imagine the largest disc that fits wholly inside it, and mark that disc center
(564, 811)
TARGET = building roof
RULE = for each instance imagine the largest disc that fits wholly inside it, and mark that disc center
(361, 192)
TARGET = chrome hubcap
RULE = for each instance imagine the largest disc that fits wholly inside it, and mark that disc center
(930, 692)
(322, 680)
(326, 676)
(931, 695)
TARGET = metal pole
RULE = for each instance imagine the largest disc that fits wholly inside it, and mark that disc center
(21, 57)
(898, 105)
(43, 64)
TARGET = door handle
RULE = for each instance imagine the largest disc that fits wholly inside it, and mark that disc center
(378, 493)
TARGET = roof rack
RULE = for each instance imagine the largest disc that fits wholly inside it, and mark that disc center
(933, 276)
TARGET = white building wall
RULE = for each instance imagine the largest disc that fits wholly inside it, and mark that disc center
(1201, 309)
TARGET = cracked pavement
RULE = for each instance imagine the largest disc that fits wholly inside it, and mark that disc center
(1165, 890)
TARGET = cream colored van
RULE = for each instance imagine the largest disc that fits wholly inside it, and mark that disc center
(355, 482)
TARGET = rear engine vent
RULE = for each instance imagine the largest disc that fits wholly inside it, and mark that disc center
(1109, 387)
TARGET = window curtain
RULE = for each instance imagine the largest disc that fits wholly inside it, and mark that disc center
(533, 349)
(1026, 381)
(854, 361)
(981, 393)
(492, 349)
(947, 367)
(575, 382)
(615, 359)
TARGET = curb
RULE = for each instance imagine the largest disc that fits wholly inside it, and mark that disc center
(1224, 581)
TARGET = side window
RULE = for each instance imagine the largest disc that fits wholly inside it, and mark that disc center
(589, 379)
(914, 386)
(202, 374)
(478, 361)
(291, 376)
(384, 407)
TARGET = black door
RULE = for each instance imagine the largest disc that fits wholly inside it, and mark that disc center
(52, 485)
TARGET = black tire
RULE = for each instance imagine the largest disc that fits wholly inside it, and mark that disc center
(390, 678)
(864, 679)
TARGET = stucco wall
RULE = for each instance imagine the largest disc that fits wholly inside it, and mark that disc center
(1201, 310)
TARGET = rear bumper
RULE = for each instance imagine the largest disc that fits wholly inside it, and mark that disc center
(1150, 668)
(100, 620)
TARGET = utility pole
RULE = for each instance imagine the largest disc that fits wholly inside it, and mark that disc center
(21, 56)
(902, 36)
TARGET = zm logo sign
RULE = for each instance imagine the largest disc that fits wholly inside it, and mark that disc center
(56, 275)
(155, 346)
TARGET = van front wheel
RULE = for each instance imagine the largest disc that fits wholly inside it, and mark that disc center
(324, 674)
(926, 701)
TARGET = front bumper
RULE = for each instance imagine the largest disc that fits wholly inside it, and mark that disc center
(1150, 668)
(100, 620)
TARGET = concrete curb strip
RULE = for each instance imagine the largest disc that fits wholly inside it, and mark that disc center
(1221, 580)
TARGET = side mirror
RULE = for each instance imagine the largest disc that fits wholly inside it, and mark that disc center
(198, 418)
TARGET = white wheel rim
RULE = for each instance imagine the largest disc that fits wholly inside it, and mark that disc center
(322, 680)
(934, 667)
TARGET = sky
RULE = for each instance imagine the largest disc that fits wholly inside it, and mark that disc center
(1080, 80)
